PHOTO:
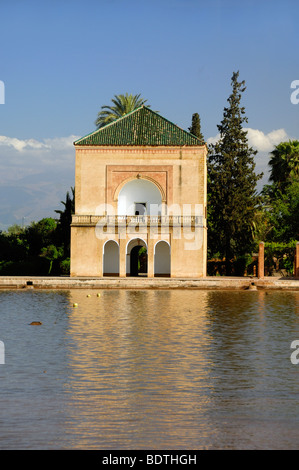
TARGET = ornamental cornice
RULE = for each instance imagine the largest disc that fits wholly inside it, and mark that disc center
(137, 150)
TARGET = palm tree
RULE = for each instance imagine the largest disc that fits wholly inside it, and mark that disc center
(122, 104)
(284, 163)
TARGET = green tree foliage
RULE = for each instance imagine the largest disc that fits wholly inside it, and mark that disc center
(279, 257)
(195, 127)
(65, 220)
(15, 229)
(281, 198)
(41, 248)
(13, 245)
(122, 104)
(232, 196)
(51, 253)
(21, 249)
(40, 234)
(284, 164)
(282, 213)
(277, 221)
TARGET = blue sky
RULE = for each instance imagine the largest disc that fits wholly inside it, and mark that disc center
(62, 60)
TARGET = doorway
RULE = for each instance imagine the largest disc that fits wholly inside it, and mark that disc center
(140, 208)
(137, 258)
(111, 258)
(162, 259)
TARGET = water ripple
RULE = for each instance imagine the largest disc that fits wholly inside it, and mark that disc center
(148, 370)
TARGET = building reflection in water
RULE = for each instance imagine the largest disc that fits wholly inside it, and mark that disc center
(172, 369)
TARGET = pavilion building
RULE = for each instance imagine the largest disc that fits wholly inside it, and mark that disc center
(140, 200)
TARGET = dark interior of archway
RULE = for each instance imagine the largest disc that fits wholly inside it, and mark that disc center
(138, 261)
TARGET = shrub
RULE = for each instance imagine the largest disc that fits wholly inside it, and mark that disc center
(280, 256)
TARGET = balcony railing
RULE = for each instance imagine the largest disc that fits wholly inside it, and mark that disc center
(146, 220)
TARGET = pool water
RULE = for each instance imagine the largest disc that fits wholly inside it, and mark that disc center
(149, 369)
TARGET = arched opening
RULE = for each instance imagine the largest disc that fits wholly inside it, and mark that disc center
(137, 258)
(162, 259)
(139, 197)
(111, 258)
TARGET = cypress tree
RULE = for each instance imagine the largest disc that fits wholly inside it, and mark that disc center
(65, 220)
(195, 128)
(232, 197)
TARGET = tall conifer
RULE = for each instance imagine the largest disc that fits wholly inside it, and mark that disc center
(195, 128)
(232, 197)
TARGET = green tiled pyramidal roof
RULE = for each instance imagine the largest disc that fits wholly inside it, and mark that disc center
(140, 127)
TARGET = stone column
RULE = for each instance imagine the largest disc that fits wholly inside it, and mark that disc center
(101, 253)
(150, 257)
(261, 264)
(297, 260)
(122, 258)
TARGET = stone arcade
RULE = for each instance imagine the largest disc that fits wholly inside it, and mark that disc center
(140, 200)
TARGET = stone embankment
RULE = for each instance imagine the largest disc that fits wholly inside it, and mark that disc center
(213, 283)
